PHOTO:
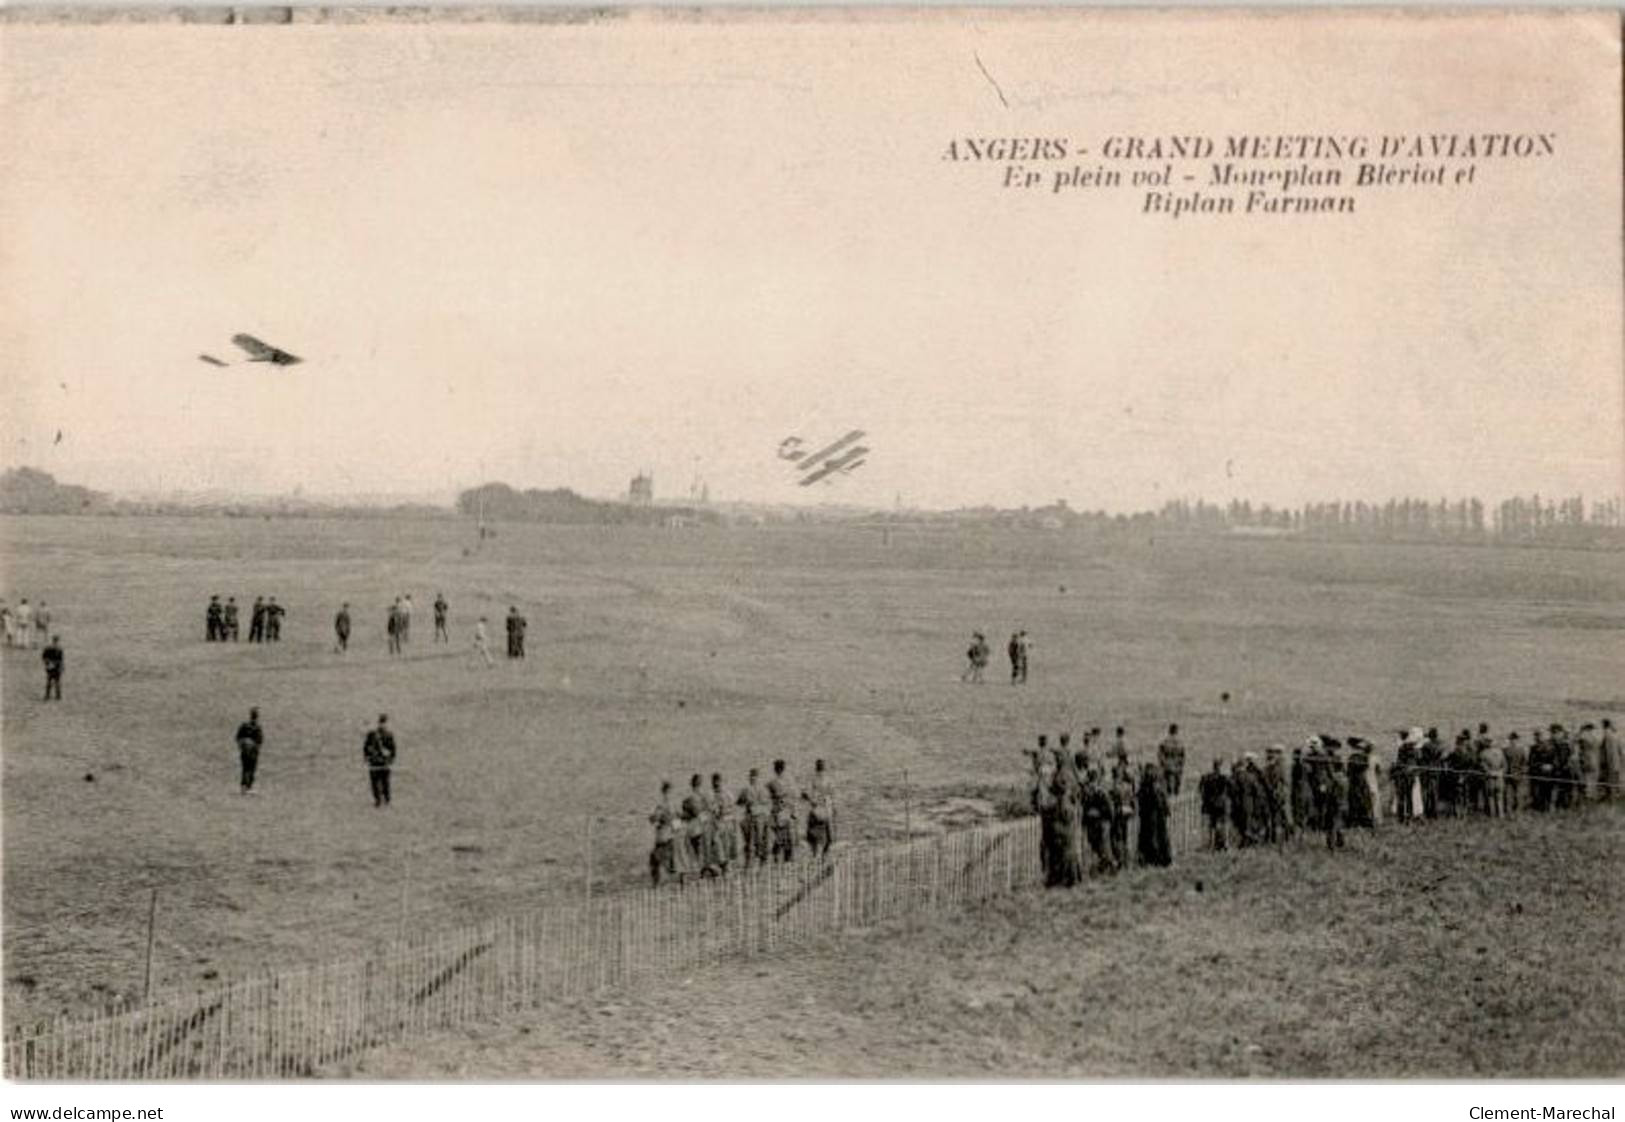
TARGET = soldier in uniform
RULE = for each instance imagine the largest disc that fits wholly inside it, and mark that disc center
(1332, 784)
(1540, 772)
(1431, 764)
(820, 812)
(1171, 755)
(1517, 774)
(726, 832)
(1494, 762)
(1563, 771)
(975, 659)
(757, 808)
(516, 633)
(661, 860)
(392, 627)
(781, 798)
(256, 621)
(1278, 793)
(1404, 777)
(1214, 791)
(697, 827)
(1358, 768)
(441, 634)
(379, 752)
(273, 621)
(406, 619)
(1588, 755)
(53, 659)
(341, 629)
(1096, 806)
(212, 621)
(249, 738)
(1124, 796)
(228, 619)
(1303, 792)
(1613, 766)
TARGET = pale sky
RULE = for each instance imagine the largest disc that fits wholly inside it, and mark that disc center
(554, 255)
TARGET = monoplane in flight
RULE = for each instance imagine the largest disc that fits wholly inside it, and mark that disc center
(257, 351)
(842, 456)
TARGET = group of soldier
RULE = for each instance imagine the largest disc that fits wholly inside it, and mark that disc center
(977, 655)
(1094, 796)
(378, 751)
(264, 620)
(26, 626)
(1333, 783)
(710, 829)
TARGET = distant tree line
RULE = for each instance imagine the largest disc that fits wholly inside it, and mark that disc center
(498, 502)
(25, 490)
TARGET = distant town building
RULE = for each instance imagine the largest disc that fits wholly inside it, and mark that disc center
(642, 490)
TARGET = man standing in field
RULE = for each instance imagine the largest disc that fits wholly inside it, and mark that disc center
(757, 809)
(256, 621)
(1613, 767)
(662, 860)
(249, 739)
(1517, 775)
(975, 659)
(724, 833)
(212, 621)
(1278, 796)
(341, 629)
(228, 619)
(781, 797)
(482, 642)
(53, 659)
(392, 627)
(406, 618)
(441, 635)
(1171, 757)
(1494, 762)
(1588, 745)
(516, 633)
(273, 621)
(1214, 791)
(820, 812)
(1432, 768)
(379, 752)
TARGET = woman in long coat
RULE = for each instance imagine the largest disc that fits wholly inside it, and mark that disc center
(1066, 864)
(1153, 798)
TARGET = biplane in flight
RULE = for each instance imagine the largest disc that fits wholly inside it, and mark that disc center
(843, 456)
(257, 351)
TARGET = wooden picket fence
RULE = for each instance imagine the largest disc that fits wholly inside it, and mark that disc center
(294, 1023)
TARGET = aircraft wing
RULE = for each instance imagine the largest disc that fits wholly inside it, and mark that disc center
(263, 352)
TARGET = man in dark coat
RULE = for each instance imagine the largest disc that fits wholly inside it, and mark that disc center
(1214, 790)
(379, 752)
(256, 621)
(1154, 847)
(249, 738)
(341, 629)
(54, 659)
(1431, 765)
(212, 621)
(228, 619)
(1097, 820)
(1171, 756)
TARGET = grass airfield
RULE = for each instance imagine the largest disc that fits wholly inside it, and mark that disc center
(655, 654)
